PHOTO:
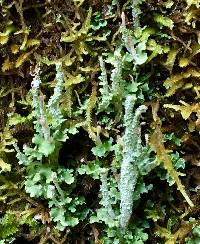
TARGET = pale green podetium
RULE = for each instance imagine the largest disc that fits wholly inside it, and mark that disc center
(131, 153)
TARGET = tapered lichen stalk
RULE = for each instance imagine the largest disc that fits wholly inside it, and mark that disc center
(106, 94)
(136, 11)
(131, 152)
(41, 124)
(105, 195)
(53, 104)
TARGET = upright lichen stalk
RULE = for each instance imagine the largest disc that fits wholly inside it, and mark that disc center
(40, 124)
(131, 152)
(53, 104)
